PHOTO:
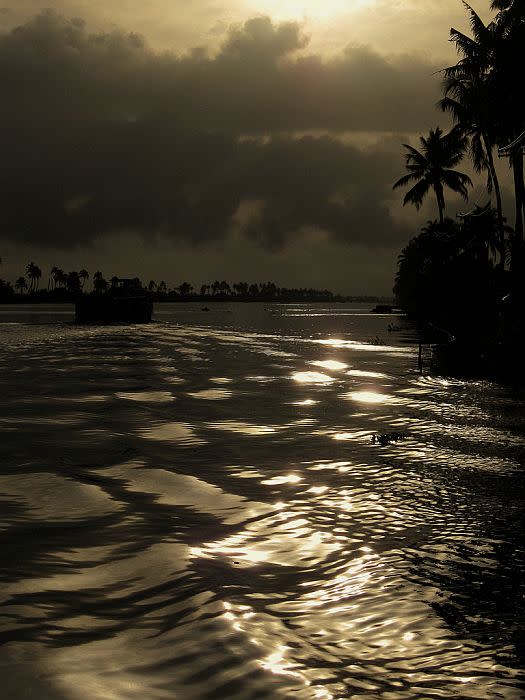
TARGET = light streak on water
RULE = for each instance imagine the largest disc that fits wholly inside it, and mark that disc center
(198, 511)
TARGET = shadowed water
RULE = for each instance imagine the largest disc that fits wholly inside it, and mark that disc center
(195, 509)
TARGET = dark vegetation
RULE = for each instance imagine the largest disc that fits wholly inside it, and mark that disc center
(68, 287)
(466, 276)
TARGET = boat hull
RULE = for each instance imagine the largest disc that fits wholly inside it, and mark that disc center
(105, 310)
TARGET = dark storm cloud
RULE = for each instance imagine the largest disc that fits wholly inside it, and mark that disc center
(102, 134)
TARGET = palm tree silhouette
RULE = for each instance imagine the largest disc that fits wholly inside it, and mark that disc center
(99, 283)
(224, 287)
(489, 61)
(481, 232)
(83, 275)
(432, 168)
(34, 273)
(508, 58)
(21, 284)
(62, 278)
(467, 98)
(55, 275)
(73, 282)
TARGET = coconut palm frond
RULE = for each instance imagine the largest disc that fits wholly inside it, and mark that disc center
(479, 30)
(406, 180)
(457, 182)
(417, 194)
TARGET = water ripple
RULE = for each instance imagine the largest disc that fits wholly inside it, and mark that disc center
(199, 511)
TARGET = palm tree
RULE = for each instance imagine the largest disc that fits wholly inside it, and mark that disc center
(30, 267)
(55, 275)
(490, 59)
(481, 232)
(34, 273)
(468, 99)
(508, 87)
(445, 275)
(84, 276)
(432, 168)
(224, 287)
(99, 283)
(471, 97)
(21, 284)
(73, 282)
(241, 288)
(61, 278)
(151, 285)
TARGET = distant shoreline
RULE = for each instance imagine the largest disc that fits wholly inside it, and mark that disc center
(215, 299)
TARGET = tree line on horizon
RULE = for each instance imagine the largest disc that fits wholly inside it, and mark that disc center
(63, 286)
(451, 266)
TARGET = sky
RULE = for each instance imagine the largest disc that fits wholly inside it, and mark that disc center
(193, 140)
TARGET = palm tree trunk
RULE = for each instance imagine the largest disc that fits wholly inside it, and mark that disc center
(517, 169)
(440, 202)
(499, 206)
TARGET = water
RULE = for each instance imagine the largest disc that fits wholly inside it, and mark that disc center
(195, 509)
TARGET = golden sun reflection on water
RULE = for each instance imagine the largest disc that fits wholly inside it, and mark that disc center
(365, 373)
(361, 345)
(211, 394)
(242, 427)
(312, 378)
(277, 658)
(180, 433)
(355, 435)
(368, 397)
(329, 364)
(307, 566)
(283, 479)
(268, 540)
(333, 342)
(147, 396)
(276, 662)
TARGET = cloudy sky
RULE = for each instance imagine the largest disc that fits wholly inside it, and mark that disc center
(199, 139)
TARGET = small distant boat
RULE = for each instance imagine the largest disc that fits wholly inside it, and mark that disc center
(386, 309)
(125, 302)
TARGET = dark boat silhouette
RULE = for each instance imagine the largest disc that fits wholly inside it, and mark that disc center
(124, 302)
(386, 309)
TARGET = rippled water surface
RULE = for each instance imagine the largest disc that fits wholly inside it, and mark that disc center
(195, 509)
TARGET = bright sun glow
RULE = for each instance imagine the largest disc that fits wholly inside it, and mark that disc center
(309, 9)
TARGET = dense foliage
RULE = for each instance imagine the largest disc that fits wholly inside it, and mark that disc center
(62, 286)
(458, 273)
(447, 275)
